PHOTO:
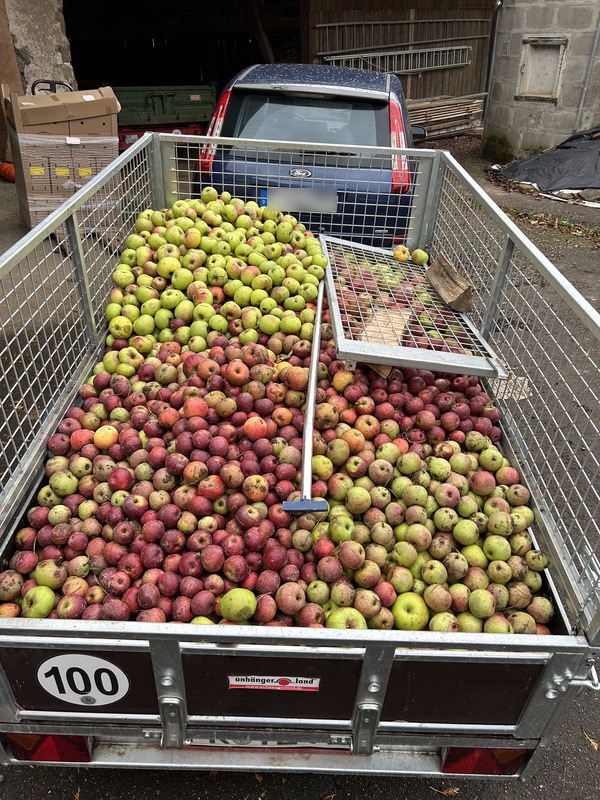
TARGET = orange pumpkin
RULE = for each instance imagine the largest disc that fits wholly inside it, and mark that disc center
(7, 171)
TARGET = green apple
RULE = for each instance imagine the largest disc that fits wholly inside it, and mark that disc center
(112, 310)
(218, 323)
(167, 266)
(238, 605)
(185, 224)
(269, 226)
(243, 295)
(197, 344)
(317, 271)
(144, 324)
(232, 286)
(155, 240)
(341, 528)
(123, 276)
(308, 292)
(174, 235)
(290, 324)
(257, 296)
(231, 310)
(207, 244)
(269, 324)
(181, 278)
(248, 336)
(284, 232)
(496, 548)
(297, 271)
(120, 327)
(262, 281)
(150, 306)
(217, 276)
(319, 260)
(133, 241)
(146, 293)
(162, 318)
(171, 297)
(203, 311)
(38, 602)
(267, 305)
(250, 318)
(277, 275)
(475, 556)
(130, 311)
(346, 617)
(410, 612)
(184, 310)
(419, 256)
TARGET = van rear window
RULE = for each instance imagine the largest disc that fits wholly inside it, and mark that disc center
(305, 118)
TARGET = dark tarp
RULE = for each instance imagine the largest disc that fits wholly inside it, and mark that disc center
(573, 164)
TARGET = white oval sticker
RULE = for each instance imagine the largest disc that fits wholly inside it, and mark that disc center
(83, 680)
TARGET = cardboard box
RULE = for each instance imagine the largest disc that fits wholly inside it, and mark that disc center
(59, 142)
(89, 113)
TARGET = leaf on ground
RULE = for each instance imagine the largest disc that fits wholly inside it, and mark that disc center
(258, 777)
(593, 742)
(329, 796)
(77, 794)
(453, 790)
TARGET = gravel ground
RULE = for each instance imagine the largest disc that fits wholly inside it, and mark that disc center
(569, 235)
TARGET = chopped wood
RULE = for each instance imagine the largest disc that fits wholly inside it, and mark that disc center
(385, 326)
(454, 289)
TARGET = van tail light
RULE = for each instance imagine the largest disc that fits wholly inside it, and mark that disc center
(208, 151)
(52, 748)
(483, 761)
(400, 170)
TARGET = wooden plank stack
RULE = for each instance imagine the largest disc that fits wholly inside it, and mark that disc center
(444, 116)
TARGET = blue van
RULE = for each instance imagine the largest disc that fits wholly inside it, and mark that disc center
(347, 193)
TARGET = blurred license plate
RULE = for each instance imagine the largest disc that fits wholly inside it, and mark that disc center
(295, 200)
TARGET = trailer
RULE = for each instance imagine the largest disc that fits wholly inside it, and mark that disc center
(180, 696)
(167, 109)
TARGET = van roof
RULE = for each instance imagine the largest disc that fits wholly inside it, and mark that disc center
(314, 74)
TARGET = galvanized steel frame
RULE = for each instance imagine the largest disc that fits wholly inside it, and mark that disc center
(567, 660)
(396, 743)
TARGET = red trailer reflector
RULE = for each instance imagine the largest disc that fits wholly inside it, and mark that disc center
(483, 761)
(39, 747)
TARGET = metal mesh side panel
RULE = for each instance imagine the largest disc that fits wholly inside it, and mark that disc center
(106, 220)
(357, 184)
(463, 232)
(52, 320)
(41, 337)
(550, 347)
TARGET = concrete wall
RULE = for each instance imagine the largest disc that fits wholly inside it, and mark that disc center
(10, 76)
(42, 49)
(515, 121)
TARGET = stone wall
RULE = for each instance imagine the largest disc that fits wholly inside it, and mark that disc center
(38, 33)
(542, 55)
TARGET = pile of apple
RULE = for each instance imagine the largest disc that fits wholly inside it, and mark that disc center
(164, 489)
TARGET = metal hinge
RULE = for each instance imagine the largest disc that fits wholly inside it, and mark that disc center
(173, 721)
(560, 683)
(364, 725)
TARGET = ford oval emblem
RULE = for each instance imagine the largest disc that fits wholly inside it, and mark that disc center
(299, 172)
